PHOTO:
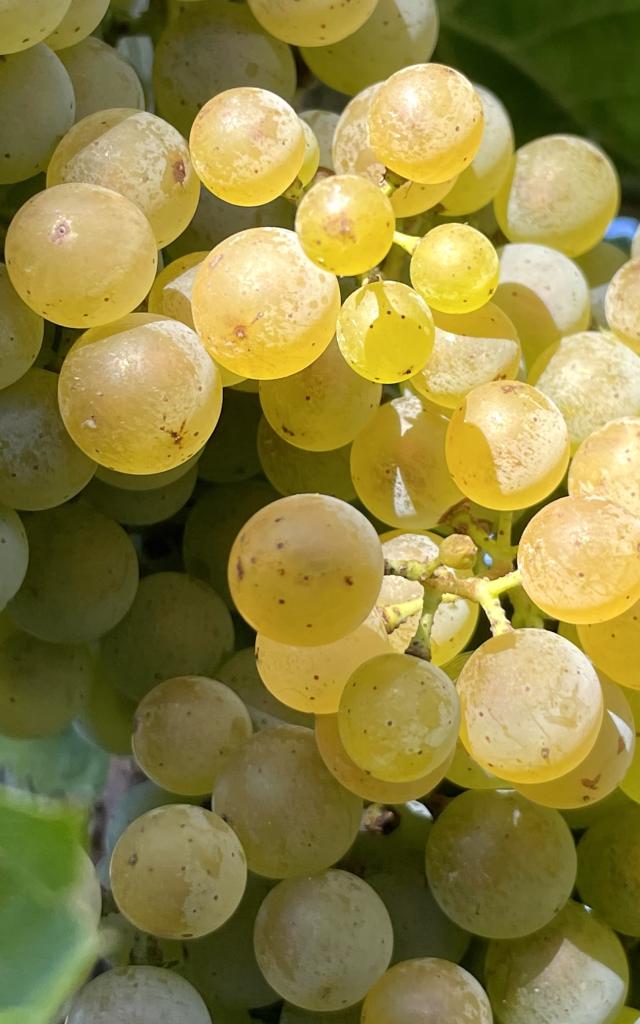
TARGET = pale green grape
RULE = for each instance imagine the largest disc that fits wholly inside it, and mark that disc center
(573, 970)
(583, 817)
(138, 995)
(106, 716)
(14, 554)
(101, 77)
(185, 729)
(231, 453)
(23, 23)
(40, 466)
(467, 773)
(535, 204)
(21, 332)
(323, 125)
(316, 23)
(82, 17)
(322, 942)
(600, 263)
(131, 805)
(627, 1015)
(481, 180)
(305, 569)
(145, 481)
(621, 305)
(311, 159)
(607, 465)
(142, 507)
(296, 1015)
(190, 856)
(385, 331)
(293, 470)
(240, 672)
(611, 645)
(177, 625)
(397, 33)
(608, 855)
(37, 107)
(290, 814)
(426, 991)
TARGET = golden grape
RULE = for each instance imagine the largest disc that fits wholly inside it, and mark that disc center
(611, 645)
(426, 991)
(607, 465)
(455, 268)
(481, 180)
(621, 303)
(314, 23)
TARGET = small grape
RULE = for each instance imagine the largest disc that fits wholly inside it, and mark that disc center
(607, 465)
(455, 268)
(293, 470)
(481, 180)
(14, 554)
(140, 995)
(426, 991)
(82, 17)
(21, 332)
(311, 159)
(621, 305)
(101, 77)
(316, 23)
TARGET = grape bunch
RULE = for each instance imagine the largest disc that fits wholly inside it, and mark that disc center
(319, 529)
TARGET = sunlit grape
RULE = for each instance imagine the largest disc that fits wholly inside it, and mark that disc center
(21, 332)
(607, 465)
(293, 470)
(316, 23)
(621, 305)
(240, 673)
(323, 124)
(82, 17)
(611, 645)
(141, 995)
(171, 291)
(454, 268)
(102, 79)
(23, 23)
(311, 158)
(426, 991)
(479, 182)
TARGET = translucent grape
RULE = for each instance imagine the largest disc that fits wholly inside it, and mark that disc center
(629, 789)
(142, 507)
(171, 292)
(290, 814)
(176, 626)
(534, 203)
(140, 400)
(426, 122)
(296, 471)
(37, 106)
(398, 465)
(240, 672)
(600, 263)
(611, 645)
(580, 560)
(397, 33)
(247, 146)
(138, 995)
(106, 716)
(188, 854)
(261, 307)
(14, 554)
(466, 773)
(305, 569)
(454, 268)
(23, 23)
(468, 349)
(621, 305)
(607, 465)
(481, 180)
(317, 23)
(311, 159)
(426, 991)
(21, 332)
(40, 466)
(507, 445)
(323, 125)
(322, 942)
(102, 79)
(60, 255)
(531, 705)
(592, 377)
(385, 348)
(78, 21)
(573, 970)
(146, 481)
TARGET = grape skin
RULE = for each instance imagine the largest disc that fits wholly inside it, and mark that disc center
(21, 332)
(455, 268)
(102, 79)
(317, 23)
(426, 991)
(292, 470)
(607, 465)
(23, 23)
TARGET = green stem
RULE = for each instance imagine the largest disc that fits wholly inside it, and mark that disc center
(393, 615)
(407, 242)
(525, 612)
(410, 570)
(420, 646)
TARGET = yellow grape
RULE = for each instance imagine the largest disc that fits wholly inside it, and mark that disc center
(60, 251)
(425, 122)
(21, 332)
(101, 77)
(293, 470)
(621, 303)
(580, 561)
(607, 465)
(305, 569)
(630, 784)
(600, 263)
(345, 224)
(101, 384)
(23, 23)
(426, 991)
(261, 307)
(399, 468)
(627, 1015)
(531, 705)
(82, 17)
(454, 268)
(189, 855)
(247, 146)
(592, 377)
(138, 506)
(536, 204)
(481, 180)
(311, 159)
(240, 673)
(468, 349)
(323, 125)
(507, 445)
(385, 331)
(314, 23)
(611, 645)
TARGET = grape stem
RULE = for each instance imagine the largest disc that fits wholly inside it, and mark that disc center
(407, 242)
(420, 646)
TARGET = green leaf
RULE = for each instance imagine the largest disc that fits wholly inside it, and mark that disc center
(65, 766)
(558, 65)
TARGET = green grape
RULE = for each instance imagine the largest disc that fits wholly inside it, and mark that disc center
(608, 855)
(323, 125)
(592, 377)
(69, 275)
(81, 18)
(611, 645)
(14, 554)
(37, 107)
(573, 970)
(544, 293)
(531, 705)
(177, 625)
(481, 180)
(398, 717)
(534, 203)
(261, 307)
(621, 305)
(82, 576)
(106, 716)
(607, 465)
(311, 159)
(426, 991)
(600, 263)
(23, 23)
(296, 1015)
(142, 507)
(322, 942)
(140, 400)
(455, 268)
(468, 349)
(138, 155)
(21, 333)
(185, 729)
(385, 348)
(42, 686)
(231, 454)
(101, 77)
(398, 465)
(312, 678)
(293, 470)
(316, 23)
(466, 773)
(627, 1015)
(210, 47)
(247, 145)
(146, 481)
(189, 855)
(507, 445)
(583, 817)
(396, 34)
(305, 569)
(322, 407)
(290, 814)
(240, 672)
(131, 805)
(426, 123)
(138, 995)
(345, 224)
(40, 466)
(579, 560)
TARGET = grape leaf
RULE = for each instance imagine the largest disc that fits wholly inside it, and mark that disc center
(65, 766)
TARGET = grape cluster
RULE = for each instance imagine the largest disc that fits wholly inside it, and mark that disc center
(320, 517)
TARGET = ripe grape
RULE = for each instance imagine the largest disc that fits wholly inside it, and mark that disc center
(293, 470)
(240, 673)
(316, 23)
(621, 305)
(21, 332)
(139, 995)
(81, 18)
(171, 292)
(607, 465)
(454, 268)
(611, 645)
(323, 124)
(146, 481)
(23, 23)
(106, 716)
(101, 77)
(14, 554)
(481, 180)
(311, 158)
(426, 991)
(142, 507)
